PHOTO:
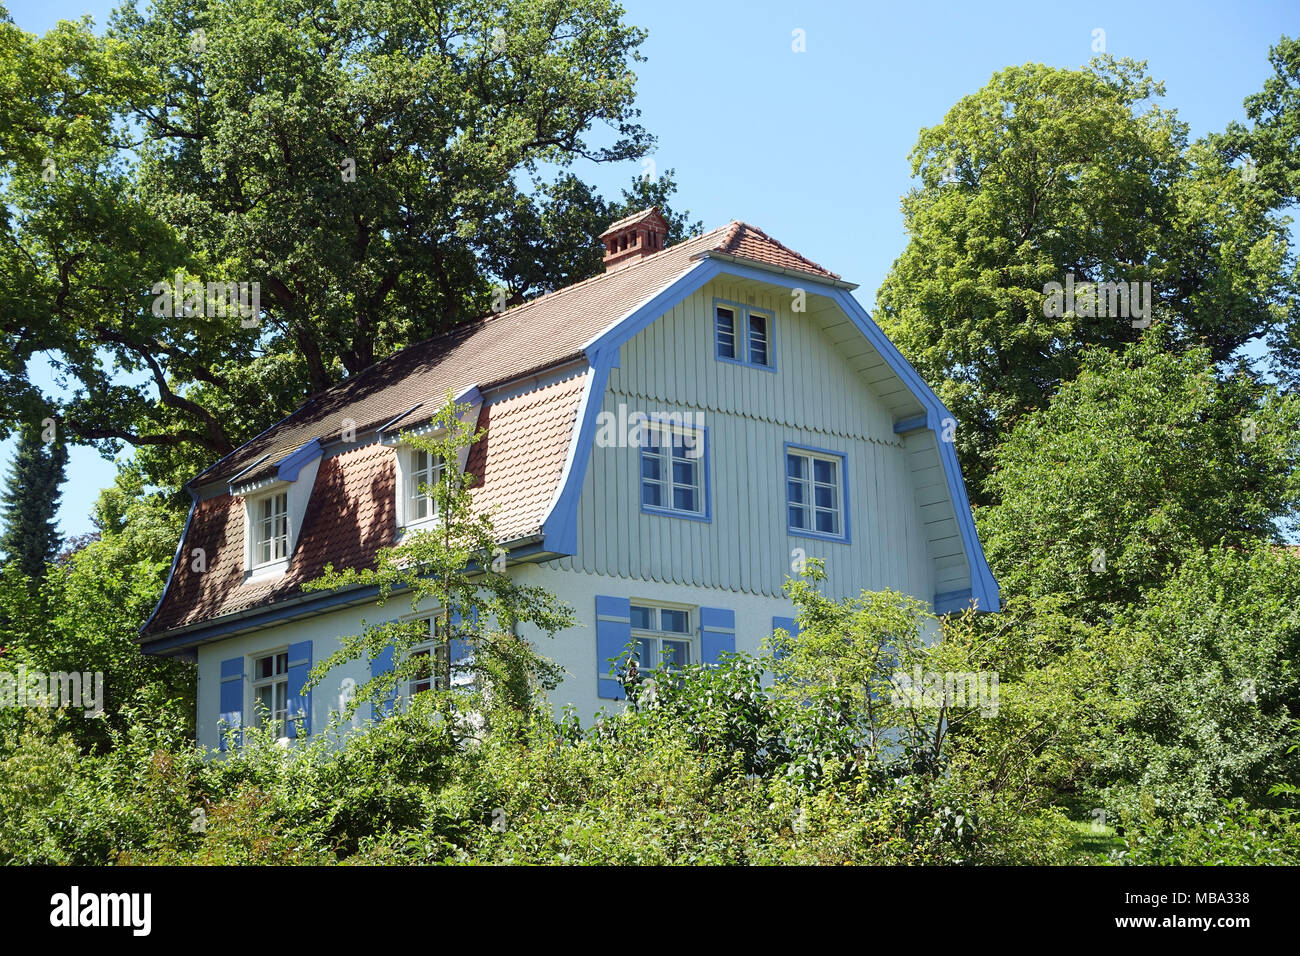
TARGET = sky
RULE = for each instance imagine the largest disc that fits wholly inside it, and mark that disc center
(812, 146)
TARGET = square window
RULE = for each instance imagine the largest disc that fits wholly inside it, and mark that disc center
(664, 640)
(673, 470)
(815, 493)
(743, 334)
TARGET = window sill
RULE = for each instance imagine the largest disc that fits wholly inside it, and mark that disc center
(735, 361)
(669, 513)
(818, 535)
(265, 572)
(427, 524)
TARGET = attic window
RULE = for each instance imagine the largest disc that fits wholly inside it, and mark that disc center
(743, 334)
(270, 526)
(421, 472)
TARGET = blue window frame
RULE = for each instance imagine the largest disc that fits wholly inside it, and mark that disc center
(816, 493)
(743, 334)
(674, 470)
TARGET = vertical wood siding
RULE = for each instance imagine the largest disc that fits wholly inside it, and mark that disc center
(815, 398)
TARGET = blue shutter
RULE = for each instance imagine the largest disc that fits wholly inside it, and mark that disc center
(789, 624)
(299, 697)
(717, 633)
(231, 697)
(382, 665)
(613, 633)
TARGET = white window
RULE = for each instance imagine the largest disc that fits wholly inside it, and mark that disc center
(814, 483)
(271, 689)
(673, 471)
(270, 525)
(431, 657)
(423, 470)
(663, 636)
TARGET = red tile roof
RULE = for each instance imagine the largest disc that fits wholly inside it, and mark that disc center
(352, 510)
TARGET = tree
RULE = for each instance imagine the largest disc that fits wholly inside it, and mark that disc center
(87, 614)
(30, 539)
(1214, 697)
(360, 162)
(1074, 177)
(458, 570)
(1144, 459)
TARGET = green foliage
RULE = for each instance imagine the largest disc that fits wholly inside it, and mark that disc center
(1237, 835)
(456, 569)
(1215, 692)
(86, 616)
(1142, 460)
(1047, 172)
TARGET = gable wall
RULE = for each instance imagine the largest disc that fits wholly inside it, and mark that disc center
(814, 398)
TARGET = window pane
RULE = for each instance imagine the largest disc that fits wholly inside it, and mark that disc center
(794, 492)
(798, 517)
(758, 339)
(828, 522)
(824, 470)
(282, 663)
(726, 333)
(676, 653)
(262, 668)
(651, 467)
(684, 499)
(677, 621)
(643, 618)
(683, 472)
(645, 654)
(652, 495)
(796, 466)
(825, 497)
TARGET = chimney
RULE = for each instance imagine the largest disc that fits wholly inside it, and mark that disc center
(633, 238)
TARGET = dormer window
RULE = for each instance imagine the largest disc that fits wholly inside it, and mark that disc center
(270, 529)
(423, 471)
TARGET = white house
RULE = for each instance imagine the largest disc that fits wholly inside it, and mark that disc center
(771, 420)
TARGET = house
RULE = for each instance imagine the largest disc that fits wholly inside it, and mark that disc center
(770, 420)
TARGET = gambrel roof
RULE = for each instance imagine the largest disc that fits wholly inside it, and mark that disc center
(536, 372)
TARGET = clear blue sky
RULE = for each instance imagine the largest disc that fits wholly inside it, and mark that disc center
(812, 147)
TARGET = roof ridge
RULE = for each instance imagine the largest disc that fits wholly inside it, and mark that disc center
(777, 242)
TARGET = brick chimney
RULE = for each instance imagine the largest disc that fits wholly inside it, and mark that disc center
(633, 238)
